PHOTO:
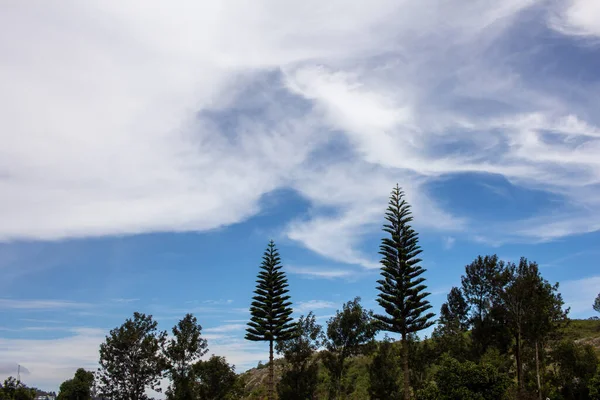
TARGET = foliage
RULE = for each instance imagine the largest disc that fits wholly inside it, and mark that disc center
(455, 380)
(13, 389)
(384, 373)
(401, 290)
(597, 303)
(130, 359)
(482, 284)
(576, 366)
(182, 352)
(78, 388)
(300, 376)
(347, 334)
(270, 311)
(216, 379)
(594, 386)
(454, 313)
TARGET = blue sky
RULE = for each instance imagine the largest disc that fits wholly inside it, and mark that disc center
(148, 155)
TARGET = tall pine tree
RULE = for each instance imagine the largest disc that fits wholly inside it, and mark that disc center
(270, 311)
(402, 292)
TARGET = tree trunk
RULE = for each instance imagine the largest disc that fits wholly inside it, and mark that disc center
(519, 361)
(271, 389)
(537, 370)
(405, 369)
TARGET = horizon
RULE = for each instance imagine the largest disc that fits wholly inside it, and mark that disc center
(148, 155)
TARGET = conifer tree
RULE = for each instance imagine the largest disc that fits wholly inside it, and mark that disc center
(270, 311)
(402, 292)
(597, 303)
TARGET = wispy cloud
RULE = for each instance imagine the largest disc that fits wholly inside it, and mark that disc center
(124, 300)
(312, 305)
(449, 242)
(23, 304)
(325, 273)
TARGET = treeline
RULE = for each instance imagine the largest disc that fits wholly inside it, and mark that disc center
(500, 335)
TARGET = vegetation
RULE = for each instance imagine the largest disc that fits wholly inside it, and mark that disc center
(503, 334)
(347, 334)
(13, 389)
(270, 310)
(300, 375)
(402, 289)
(78, 388)
(183, 352)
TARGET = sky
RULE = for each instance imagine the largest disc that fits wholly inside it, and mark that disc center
(150, 150)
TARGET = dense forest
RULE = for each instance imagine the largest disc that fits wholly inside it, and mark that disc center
(503, 334)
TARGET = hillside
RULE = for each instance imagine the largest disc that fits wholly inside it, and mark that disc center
(581, 331)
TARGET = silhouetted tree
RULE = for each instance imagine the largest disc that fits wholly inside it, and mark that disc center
(78, 388)
(183, 351)
(545, 316)
(270, 311)
(455, 311)
(13, 389)
(216, 379)
(300, 375)
(402, 292)
(533, 310)
(597, 303)
(130, 359)
(384, 372)
(484, 280)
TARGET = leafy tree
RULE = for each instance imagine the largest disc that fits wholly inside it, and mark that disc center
(533, 311)
(184, 350)
(597, 303)
(78, 388)
(13, 389)
(466, 381)
(402, 292)
(482, 284)
(450, 335)
(270, 311)
(454, 312)
(384, 372)
(347, 334)
(545, 313)
(300, 376)
(130, 359)
(217, 379)
(577, 365)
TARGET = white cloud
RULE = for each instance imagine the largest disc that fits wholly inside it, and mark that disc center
(325, 273)
(312, 305)
(23, 304)
(580, 294)
(578, 17)
(449, 242)
(119, 120)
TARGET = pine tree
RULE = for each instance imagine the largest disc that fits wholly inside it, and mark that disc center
(270, 311)
(597, 303)
(402, 292)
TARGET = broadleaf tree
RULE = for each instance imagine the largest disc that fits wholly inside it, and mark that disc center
(80, 387)
(349, 332)
(131, 361)
(300, 375)
(271, 310)
(597, 303)
(183, 351)
(402, 292)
